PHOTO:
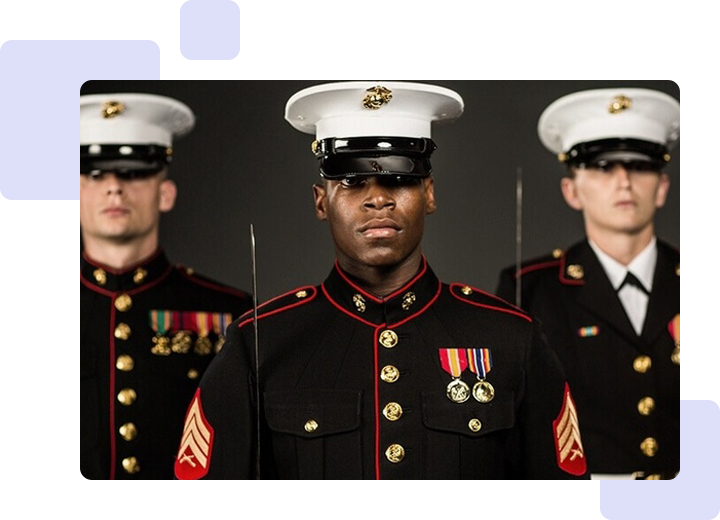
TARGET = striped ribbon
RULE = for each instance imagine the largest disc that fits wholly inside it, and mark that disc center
(674, 329)
(480, 360)
(453, 360)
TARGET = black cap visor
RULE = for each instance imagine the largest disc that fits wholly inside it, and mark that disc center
(127, 161)
(602, 154)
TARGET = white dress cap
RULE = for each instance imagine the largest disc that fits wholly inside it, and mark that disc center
(131, 118)
(372, 109)
(620, 113)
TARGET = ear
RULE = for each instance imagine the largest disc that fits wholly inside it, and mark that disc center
(569, 191)
(429, 186)
(168, 194)
(662, 190)
(320, 195)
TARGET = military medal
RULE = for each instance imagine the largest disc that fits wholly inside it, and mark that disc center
(674, 329)
(220, 323)
(454, 362)
(203, 345)
(160, 322)
(480, 361)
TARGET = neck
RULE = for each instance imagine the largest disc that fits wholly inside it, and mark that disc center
(623, 247)
(120, 255)
(382, 280)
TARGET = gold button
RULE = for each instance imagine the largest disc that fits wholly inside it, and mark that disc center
(642, 364)
(475, 425)
(392, 411)
(649, 447)
(131, 465)
(653, 476)
(100, 276)
(125, 363)
(646, 405)
(311, 426)
(139, 275)
(388, 338)
(193, 374)
(128, 431)
(122, 331)
(395, 453)
(408, 300)
(675, 356)
(677, 269)
(467, 290)
(389, 374)
(557, 253)
(126, 396)
(575, 271)
(301, 294)
(189, 271)
(123, 302)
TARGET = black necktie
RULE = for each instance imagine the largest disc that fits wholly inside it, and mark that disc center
(630, 279)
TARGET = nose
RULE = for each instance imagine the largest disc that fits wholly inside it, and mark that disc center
(113, 185)
(378, 196)
(622, 176)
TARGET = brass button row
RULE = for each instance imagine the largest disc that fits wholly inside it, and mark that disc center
(128, 431)
(395, 453)
(642, 364)
(131, 465)
(649, 447)
(125, 363)
(646, 405)
(389, 374)
(392, 411)
(388, 338)
(122, 331)
(127, 396)
(123, 302)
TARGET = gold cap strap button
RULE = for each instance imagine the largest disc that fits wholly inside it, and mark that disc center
(131, 465)
(642, 364)
(475, 425)
(395, 453)
(122, 331)
(646, 405)
(389, 374)
(311, 426)
(127, 396)
(392, 411)
(128, 431)
(123, 302)
(388, 338)
(125, 363)
(649, 447)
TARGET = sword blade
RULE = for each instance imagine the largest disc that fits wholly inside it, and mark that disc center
(257, 345)
(518, 235)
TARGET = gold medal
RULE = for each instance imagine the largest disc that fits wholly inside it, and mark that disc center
(483, 391)
(160, 345)
(203, 346)
(675, 357)
(181, 342)
(458, 391)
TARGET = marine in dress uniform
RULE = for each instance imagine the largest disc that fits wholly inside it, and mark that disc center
(614, 324)
(148, 330)
(429, 380)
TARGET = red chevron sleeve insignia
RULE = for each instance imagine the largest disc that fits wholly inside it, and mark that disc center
(193, 457)
(568, 445)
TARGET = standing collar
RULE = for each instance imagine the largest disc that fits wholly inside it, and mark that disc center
(405, 303)
(104, 278)
(642, 266)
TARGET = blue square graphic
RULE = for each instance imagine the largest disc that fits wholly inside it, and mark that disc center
(209, 30)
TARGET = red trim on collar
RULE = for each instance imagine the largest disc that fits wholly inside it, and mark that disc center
(337, 305)
(388, 297)
(281, 309)
(140, 289)
(124, 270)
(491, 307)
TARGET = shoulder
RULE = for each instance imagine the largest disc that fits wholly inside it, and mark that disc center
(668, 251)
(472, 297)
(199, 281)
(541, 265)
(298, 297)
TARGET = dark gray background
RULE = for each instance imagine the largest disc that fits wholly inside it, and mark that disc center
(244, 163)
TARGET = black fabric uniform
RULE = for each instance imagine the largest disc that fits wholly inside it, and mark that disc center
(601, 366)
(163, 384)
(324, 390)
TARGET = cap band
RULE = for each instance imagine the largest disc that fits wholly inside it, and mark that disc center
(133, 160)
(616, 150)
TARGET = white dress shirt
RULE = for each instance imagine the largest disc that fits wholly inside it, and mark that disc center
(634, 300)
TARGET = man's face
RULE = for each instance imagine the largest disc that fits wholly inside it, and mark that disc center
(121, 210)
(618, 199)
(375, 221)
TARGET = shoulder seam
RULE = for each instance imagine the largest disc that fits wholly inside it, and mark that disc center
(515, 311)
(247, 317)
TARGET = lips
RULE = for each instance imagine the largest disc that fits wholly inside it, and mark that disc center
(115, 211)
(380, 228)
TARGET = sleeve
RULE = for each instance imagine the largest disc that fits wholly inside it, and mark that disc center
(552, 444)
(219, 436)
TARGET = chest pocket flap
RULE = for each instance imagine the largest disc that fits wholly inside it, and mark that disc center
(313, 413)
(470, 418)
